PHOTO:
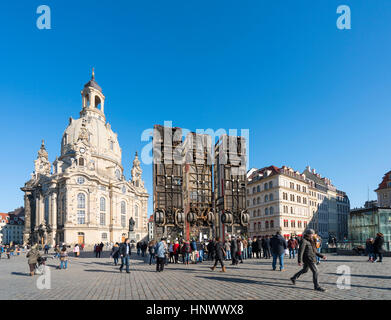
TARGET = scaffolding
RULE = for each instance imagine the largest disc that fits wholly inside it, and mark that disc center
(230, 185)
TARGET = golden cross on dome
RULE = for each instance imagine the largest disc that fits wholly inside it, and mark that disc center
(93, 74)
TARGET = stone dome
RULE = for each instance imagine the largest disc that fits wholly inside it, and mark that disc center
(99, 137)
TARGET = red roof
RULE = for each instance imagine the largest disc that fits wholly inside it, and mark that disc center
(384, 183)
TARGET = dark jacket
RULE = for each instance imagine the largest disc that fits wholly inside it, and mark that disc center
(307, 253)
(278, 244)
(115, 252)
(255, 246)
(33, 255)
(378, 244)
(193, 245)
(122, 249)
(234, 245)
(220, 252)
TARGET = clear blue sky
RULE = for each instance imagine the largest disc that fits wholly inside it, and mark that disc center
(310, 94)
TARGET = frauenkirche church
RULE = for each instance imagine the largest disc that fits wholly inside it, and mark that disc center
(83, 197)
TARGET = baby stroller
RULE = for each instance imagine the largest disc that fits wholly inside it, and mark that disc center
(40, 267)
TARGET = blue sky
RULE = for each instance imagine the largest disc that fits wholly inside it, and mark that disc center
(310, 94)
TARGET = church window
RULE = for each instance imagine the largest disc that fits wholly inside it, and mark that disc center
(81, 161)
(102, 216)
(81, 205)
(123, 214)
(111, 145)
(118, 174)
(80, 180)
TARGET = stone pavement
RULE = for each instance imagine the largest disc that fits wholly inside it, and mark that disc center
(88, 277)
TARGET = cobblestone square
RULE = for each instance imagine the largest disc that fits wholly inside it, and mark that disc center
(93, 278)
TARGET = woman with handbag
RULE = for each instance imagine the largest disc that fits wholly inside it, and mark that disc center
(63, 258)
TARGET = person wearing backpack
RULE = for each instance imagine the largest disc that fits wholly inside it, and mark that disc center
(151, 250)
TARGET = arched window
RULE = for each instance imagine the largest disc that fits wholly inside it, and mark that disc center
(102, 215)
(81, 161)
(266, 211)
(271, 210)
(123, 213)
(81, 205)
(271, 197)
(63, 210)
(258, 200)
(266, 198)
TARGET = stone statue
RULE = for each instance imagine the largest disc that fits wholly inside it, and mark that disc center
(131, 224)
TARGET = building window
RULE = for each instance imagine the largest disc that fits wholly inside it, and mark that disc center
(271, 197)
(81, 162)
(104, 236)
(266, 211)
(47, 209)
(81, 205)
(271, 223)
(267, 224)
(271, 210)
(123, 213)
(266, 198)
(102, 204)
(258, 189)
(270, 184)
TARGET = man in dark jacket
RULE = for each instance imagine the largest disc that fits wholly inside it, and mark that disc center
(278, 246)
(307, 255)
(219, 254)
(255, 248)
(259, 245)
(234, 250)
(125, 250)
(378, 247)
(266, 247)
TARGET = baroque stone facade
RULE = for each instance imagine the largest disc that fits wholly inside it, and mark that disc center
(83, 197)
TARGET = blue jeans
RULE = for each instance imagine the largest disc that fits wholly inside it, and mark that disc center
(201, 254)
(318, 258)
(244, 254)
(281, 258)
(125, 261)
(64, 264)
(186, 257)
(291, 253)
(250, 251)
(228, 255)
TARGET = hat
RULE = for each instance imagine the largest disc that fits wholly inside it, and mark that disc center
(309, 231)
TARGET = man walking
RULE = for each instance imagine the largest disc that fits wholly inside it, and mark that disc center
(278, 246)
(378, 247)
(292, 247)
(125, 252)
(234, 250)
(219, 254)
(160, 255)
(307, 255)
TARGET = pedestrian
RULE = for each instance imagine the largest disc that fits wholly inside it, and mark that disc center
(101, 245)
(176, 250)
(239, 253)
(171, 251)
(8, 251)
(33, 256)
(378, 247)
(125, 251)
(200, 251)
(369, 248)
(193, 245)
(255, 249)
(138, 247)
(76, 250)
(278, 246)
(160, 255)
(318, 240)
(151, 251)
(244, 252)
(46, 249)
(250, 248)
(234, 251)
(144, 247)
(187, 252)
(266, 248)
(115, 253)
(307, 256)
(227, 247)
(292, 247)
(63, 258)
(219, 255)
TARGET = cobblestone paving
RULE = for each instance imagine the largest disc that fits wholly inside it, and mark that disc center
(88, 277)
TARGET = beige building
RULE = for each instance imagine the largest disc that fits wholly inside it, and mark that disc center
(282, 199)
(83, 197)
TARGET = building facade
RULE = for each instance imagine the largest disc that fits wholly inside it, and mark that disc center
(4, 219)
(83, 197)
(11, 228)
(282, 199)
(384, 191)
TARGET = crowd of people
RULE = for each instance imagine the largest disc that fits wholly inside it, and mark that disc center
(306, 249)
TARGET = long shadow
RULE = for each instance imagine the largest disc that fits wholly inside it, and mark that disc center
(106, 271)
(20, 274)
(247, 281)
